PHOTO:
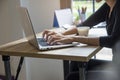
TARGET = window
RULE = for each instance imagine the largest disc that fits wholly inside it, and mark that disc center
(91, 5)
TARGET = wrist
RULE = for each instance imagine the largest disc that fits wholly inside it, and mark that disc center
(78, 38)
(74, 39)
(72, 30)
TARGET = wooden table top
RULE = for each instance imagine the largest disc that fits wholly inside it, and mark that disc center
(21, 47)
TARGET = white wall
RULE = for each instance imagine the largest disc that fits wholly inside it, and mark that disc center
(44, 69)
(10, 27)
(41, 12)
(10, 30)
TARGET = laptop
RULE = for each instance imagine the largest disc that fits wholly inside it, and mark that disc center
(39, 43)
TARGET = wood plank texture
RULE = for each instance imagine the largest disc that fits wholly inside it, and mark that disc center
(21, 47)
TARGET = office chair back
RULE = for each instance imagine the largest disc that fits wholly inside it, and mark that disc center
(62, 17)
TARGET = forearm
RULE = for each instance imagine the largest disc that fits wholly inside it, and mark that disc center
(72, 30)
(96, 17)
(87, 40)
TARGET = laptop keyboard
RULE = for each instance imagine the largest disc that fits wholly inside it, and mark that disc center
(42, 42)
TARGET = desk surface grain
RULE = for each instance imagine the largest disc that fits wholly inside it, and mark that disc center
(23, 48)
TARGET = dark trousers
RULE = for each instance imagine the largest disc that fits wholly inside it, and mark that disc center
(93, 65)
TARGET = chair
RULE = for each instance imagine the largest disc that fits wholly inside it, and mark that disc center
(62, 17)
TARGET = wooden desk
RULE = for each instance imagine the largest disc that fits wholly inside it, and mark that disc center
(82, 53)
(23, 48)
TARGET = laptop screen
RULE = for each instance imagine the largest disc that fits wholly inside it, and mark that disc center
(28, 27)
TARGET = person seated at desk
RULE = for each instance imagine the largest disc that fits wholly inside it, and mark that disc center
(109, 12)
